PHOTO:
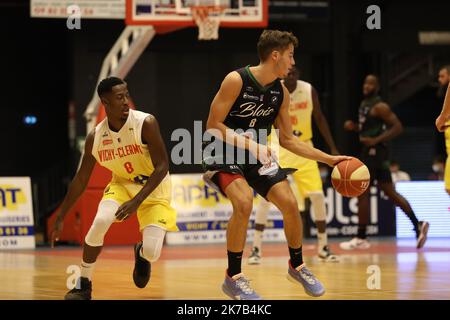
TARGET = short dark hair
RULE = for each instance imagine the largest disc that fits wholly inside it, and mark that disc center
(106, 85)
(274, 40)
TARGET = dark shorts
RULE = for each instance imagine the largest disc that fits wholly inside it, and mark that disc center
(377, 161)
(223, 174)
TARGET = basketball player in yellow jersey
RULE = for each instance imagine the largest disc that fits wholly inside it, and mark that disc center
(447, 162)
(128, 143)
(443, 121)
(303, 106)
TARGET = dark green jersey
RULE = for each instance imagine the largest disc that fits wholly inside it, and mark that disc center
(256, 107)
(370, 126)
(253, 113)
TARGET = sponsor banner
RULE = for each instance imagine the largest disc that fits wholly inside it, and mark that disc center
(430, 202)
(203, 213)
(88, 9)
(342, 215)
(16, 213)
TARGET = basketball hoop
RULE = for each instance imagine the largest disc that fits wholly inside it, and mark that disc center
(207, 19)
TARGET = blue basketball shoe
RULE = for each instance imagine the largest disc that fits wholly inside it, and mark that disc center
(301, 275)
(238, 288)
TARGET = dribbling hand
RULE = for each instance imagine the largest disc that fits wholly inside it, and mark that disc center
(334, 160)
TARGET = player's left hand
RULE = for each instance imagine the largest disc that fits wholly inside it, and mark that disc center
(368, 141)
(334, 160)
(127, 209)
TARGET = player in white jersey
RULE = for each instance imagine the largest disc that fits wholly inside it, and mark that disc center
(304, 105)
(128, 143)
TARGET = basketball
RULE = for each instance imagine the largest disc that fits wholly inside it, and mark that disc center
(350, 177)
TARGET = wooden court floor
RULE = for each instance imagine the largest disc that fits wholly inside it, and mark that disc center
(197, 272)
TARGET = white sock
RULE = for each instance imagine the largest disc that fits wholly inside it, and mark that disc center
(323, 240)
(257, 241)
(87, 269)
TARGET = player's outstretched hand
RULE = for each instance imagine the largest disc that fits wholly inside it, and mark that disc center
(57, 228)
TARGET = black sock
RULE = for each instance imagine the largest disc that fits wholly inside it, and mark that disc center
(234, 263)
(361, 231)
(296, 257)
(411, 215)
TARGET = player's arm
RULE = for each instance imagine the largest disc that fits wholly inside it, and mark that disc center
(395, 127)
(442, 119)
(322, 123)
(151, 136)
(293, 144)
(77, 186)
(220, 107)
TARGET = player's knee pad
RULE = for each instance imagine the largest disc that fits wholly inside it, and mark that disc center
(318, 205)
(103, 220)
(153, 238)
(261, 211)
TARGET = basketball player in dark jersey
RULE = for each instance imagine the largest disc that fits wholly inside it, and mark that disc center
(378, 125)
(249, 101)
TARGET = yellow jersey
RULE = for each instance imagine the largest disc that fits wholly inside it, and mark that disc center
(300, 110)
(123, 152)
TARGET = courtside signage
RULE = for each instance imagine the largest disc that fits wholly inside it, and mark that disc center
(16, 213)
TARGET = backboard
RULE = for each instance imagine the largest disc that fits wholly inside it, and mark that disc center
(234, 13)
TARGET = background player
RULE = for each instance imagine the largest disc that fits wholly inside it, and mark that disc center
(442, 121)
(128, 143)
(304, 104)
(374, 116)
(254, 98)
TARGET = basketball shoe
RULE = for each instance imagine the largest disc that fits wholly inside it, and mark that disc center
(255, 257)
(142, 268)
(355, 243)
(326, 255)
(82, 290)
(238, 288)
(423, 232)
(301, 275)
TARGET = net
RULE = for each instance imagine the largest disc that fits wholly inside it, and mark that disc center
(207, 19)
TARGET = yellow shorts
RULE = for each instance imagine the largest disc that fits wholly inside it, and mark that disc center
(447, 174)
(307, 177)
(156, 208)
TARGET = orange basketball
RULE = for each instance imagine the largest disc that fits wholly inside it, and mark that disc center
(350, 177)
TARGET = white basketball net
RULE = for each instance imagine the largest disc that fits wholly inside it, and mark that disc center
(208, 21)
